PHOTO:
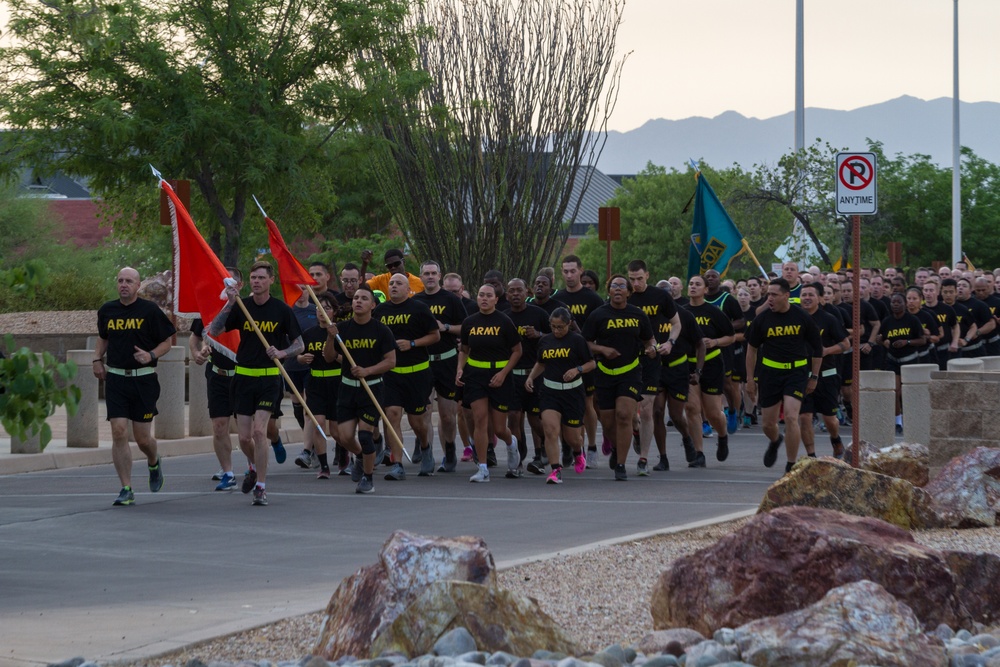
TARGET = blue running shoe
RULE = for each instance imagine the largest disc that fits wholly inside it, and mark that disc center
(227, 482)
(279, 453)
(732, 423)
(706, 430)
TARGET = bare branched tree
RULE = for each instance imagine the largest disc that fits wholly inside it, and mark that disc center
(480, 171)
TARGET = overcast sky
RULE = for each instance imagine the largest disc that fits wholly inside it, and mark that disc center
(700, 58)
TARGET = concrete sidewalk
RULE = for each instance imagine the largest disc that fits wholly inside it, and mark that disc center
(58, 455)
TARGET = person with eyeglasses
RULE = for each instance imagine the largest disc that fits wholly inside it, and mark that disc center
(393, 265)
(490, 349)
(618, 333)
(791, 354)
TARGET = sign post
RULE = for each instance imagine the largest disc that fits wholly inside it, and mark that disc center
(857, 195)
(609, 228)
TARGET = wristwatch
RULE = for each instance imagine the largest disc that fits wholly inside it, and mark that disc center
(812, 376)
(447, 327)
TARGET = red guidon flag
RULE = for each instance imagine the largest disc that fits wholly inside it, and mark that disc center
(291, 273)
(199, 276)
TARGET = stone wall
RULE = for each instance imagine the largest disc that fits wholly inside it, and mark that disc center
(965, 413)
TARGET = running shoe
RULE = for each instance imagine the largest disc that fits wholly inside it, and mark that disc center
(366, 485)
(304, 459)
(722, 448)
(746, 420)
(606, 446)
(396, 473)
(516, 473)
(591, 458)
(771, 455)
(635, 442)
(706, 430)
(899, 429)
(513, 457)
(467, 455)
(555, 477)
(259, 496)
(613, 459)
(249, 481)
(343, 472)
(279, 455)
(426, 464)
(620, 474)
(448, 463)
(491, 457)
(480, 476)
(580, 463)
(732, 423)
(642, 468)
(663, 465)
(324, 473)
(536, 467)
(217, 476)
(838, 449)
(699, 461)
(418, 454)
(357, 470)
(156, 476)
(227, 482)
(125, 497)
(690, 453)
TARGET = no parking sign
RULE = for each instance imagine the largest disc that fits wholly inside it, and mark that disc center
(857, 193)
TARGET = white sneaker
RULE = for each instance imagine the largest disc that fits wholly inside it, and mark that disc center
(480, 476)
(513, 457)
(591, 459)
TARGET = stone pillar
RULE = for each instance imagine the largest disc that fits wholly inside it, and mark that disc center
(917, 402)
(81, 429)
(990, 364)
(965, 364)
(877, 409)
(199, 423)
(169, 422)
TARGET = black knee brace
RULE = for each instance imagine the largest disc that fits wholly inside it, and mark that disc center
(300, 414)
(367, 442)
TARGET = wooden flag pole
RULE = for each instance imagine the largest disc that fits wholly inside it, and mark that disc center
(755, 260)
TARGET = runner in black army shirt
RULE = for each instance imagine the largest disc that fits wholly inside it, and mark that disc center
(682, 368)
(790, 354)
(324, 384)
(563, 358)
(257, 384)
(134, 332)
(902, 334)
(580, 302)
(728, 304)
(932, 330)
(449, 311)
(618, 334)
(706, 401)
(981, 317)
(947, 345)
(373, 349)
(543, 295)
(490, 350)
(825, 398)
(662, 313)
(408, 385)
(532, 323)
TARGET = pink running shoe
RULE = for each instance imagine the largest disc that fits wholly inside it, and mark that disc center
(606, 447)
(580, 463)
(555, 477)
(467, 454)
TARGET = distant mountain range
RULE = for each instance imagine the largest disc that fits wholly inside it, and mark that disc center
(904, 125)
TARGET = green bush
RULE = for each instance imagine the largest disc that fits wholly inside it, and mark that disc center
(33, 386)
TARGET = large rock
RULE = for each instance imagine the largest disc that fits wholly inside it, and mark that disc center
(368, 601)
(498, 620)
(903, 460)
(835, 485)
(660, 640)
(855, 624)
(966, 493)
(791, 557)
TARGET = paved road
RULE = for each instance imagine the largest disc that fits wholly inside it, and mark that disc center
(78, 577)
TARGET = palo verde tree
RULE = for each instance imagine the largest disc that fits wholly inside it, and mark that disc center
(239, 96)
(481, 168)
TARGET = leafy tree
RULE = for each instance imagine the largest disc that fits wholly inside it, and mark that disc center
(656, 211)
(239, 96)
(480, 169)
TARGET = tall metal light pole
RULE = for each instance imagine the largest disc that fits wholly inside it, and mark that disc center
(956, 161)
(800, 95)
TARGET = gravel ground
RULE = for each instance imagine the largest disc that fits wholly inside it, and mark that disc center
(49, 322)
(596, 609)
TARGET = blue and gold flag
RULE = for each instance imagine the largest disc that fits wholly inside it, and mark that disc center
(715, 241)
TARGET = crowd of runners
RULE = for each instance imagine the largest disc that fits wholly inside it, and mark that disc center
(518, 361)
